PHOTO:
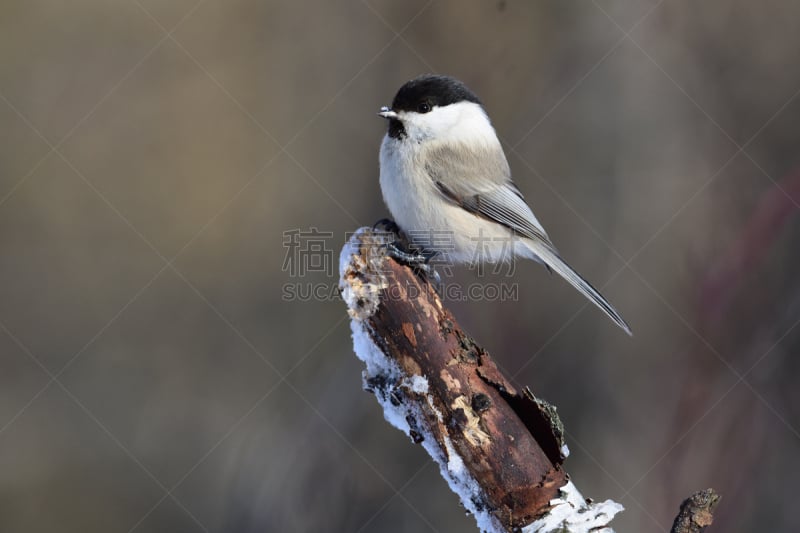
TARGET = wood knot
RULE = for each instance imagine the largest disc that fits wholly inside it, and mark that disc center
(481, 402)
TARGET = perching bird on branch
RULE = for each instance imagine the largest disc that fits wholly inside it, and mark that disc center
(446, 181)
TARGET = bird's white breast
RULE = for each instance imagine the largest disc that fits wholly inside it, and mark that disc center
(430, 220)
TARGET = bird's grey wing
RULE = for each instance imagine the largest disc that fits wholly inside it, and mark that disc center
(480, 182)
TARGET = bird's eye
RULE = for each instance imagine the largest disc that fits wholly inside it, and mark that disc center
(424, 107)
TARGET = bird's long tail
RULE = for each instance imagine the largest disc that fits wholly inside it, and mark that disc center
(551, 258)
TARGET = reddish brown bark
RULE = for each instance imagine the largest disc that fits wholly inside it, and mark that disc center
(510, 442)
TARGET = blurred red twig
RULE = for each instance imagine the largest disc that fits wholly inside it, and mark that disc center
(720, 286)
(764, 227)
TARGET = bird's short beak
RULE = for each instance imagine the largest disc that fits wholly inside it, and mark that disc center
(385, 112)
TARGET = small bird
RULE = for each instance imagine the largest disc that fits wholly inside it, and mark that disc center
(443, 173)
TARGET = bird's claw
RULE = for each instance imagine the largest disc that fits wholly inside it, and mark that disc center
(401, 251)
(413, 258)
(418, 261)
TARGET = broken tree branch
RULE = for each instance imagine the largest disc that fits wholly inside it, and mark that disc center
(696, 512)
(501, 450)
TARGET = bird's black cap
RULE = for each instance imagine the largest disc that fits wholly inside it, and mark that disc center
(432, 90)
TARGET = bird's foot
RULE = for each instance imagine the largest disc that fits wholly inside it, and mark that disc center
(419, 261)
(401, 251)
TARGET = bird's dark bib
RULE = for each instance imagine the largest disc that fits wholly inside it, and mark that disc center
(396, 129)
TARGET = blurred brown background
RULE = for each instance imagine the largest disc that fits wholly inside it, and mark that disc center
(152, 155)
